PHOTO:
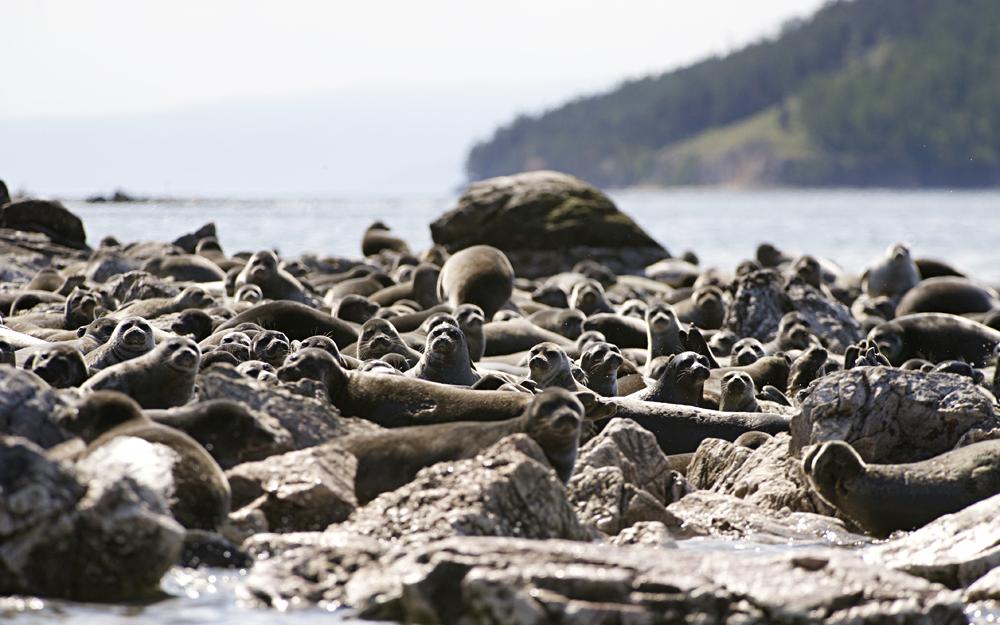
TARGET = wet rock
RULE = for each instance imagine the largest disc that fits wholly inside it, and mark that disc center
(508, 490)
(758, 305)
(46, 217)
(493, 580)
(29, 408)
(828, 318)
(768, 476)
(535, 216)
(300, 490)
(705, 513)
(891, 416)
(84, 537)
(309, 420)
(953, 550)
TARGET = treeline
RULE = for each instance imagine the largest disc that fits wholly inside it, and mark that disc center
(898, 88)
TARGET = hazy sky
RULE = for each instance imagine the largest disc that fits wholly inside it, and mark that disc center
(115, 58)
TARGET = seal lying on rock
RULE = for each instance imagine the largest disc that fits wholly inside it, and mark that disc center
(390, 459)
(681, 380)
(62, 366)
(132, 337)
(480, 275)
(445, 358)
(883, 498)
(935, 337)
(379, 337)
(297, 321)
(275, 283)
(163, 378)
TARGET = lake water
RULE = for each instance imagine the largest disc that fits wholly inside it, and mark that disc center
(723, 227)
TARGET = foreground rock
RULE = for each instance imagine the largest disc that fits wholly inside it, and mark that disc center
(304, 490)
(545, 222)
(891, 415)
(112, 540)
(954, 550)
(504, 580)
(508, 490)
(29, 408)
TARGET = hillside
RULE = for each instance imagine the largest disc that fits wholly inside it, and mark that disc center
(865, 92)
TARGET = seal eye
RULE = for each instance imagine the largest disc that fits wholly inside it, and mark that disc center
(174, 347)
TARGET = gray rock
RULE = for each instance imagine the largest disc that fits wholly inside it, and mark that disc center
(891, 416)
(543, 213)
(300, 490)
(758, 305)
(705, 513)
(137, 285)
(768, 477)
(828, 318)
(604, 498)
(30, 408)
(953, 550)
(107, 263)
(103, 538)
(646, 534)
(309, 421)
(508, 490)
(504, 580)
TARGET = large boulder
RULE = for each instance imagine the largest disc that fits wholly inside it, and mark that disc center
(31, 409)
(508, 490)
(516, 581)
(892, 416)
(546, 221)
(98, 537)
(47, 217)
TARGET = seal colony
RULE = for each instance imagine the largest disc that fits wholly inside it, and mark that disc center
(545, 371)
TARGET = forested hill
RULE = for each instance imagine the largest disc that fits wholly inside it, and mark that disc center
(864, 92)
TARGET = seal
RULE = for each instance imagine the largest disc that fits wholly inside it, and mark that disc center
(193, 322)
(957, 296)
(270, 346)
(471, 321)
(883, 498)
(892, 275)
(248, 294)
(807, 367)
(254, 368)
(132, 337)
(8, 355)
(421, 288)
(600, 362)
(518, 335)
(663, 331)
(390, 459)
(446, 358)
(354, 308)
(568, 322)
(60, 365)
(681, 380)
(226, 429)
(378, 238)
(747, 351)
(549, 366)
(191, 481)
(163, 378)
(935, 337)
(625, 331)
(79, 309)
(738, 393)
(480, 275)
(588, 297)
(275, 283)
(379, 337)
(705, 308)
(297, 321)
(185, 268)
(190, 297)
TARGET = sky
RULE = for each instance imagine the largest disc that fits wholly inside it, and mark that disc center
(306, 97)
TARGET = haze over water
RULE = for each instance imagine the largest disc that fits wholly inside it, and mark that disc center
(852, 227)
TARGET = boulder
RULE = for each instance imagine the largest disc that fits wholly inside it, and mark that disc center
(508, 490)
(310, 421)
(138, 285)
(891, 416)
(829, 319)
(604, 498)
(953, 550)
(545, 222)
(47, 217)
(758, 305)
(188, 242)
(516, 581)
(4, 193)
(768, 476)
(31, 409)
(88, 537)
(299, 490)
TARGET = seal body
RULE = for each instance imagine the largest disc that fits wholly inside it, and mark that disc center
(480, 275)
(935, 337)
(163, 378)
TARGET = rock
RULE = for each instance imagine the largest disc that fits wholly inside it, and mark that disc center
(100, 539)
(625, 444)
(891, 416)
(107, 263)
(31, 409)
(309, 420)
(25, 253)
(829, 319)
(4, 193)
(188, 242)
(705, 513)
(986, 588)
(504, 580)
(300, 490)
(769, 476)
(646, 534)
(535, 217)
(508, 490)
(138, 285)
(953, 550)
(602, 497)
(47, 217)
(758, 305)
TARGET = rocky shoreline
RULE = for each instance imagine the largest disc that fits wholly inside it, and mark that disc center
(535, 421)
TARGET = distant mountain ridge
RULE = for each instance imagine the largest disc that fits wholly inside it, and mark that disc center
(864, 92)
